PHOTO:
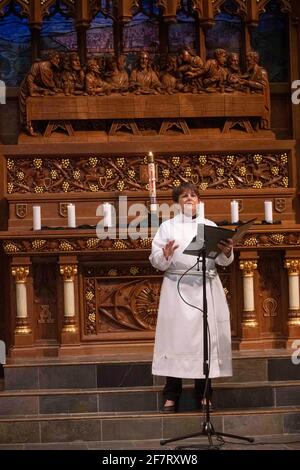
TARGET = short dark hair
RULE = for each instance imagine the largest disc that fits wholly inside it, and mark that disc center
(176, 193)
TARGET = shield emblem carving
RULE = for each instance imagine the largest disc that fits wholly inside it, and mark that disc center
(280, 204)
(241, 204)
(63, 209)
(21, 210)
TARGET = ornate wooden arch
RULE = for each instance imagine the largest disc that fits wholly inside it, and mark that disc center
(250, 10)
(285, 6)
(122, 9)
(242, 9)
(24, 4)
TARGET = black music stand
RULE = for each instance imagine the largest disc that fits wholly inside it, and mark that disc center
(204, 246)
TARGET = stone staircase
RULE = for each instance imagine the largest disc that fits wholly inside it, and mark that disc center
(113, 399)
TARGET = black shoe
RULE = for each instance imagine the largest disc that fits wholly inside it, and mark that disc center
(169, 409)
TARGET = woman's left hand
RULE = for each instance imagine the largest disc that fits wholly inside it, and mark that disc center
(226, 246)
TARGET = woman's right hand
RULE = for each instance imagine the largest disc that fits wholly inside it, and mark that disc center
(169, 249)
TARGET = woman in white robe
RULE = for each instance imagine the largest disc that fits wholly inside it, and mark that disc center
(178, 349)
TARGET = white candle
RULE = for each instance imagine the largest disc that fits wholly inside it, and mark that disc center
(71, 216)
(107, 214)
(269, 212)
(234, 205)
(36, 217)
(200, 209)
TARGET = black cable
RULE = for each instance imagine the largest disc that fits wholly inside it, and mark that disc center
(208, 330)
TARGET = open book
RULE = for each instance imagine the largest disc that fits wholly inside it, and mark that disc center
(208, 237)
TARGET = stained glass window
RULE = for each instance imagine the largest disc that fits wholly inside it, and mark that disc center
(15, 43)
(183, 32)
(99, 36)
(58, 30)
(227, 31)
(142, 32)
(270, 40)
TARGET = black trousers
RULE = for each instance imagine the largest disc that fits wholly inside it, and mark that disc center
(173, 388)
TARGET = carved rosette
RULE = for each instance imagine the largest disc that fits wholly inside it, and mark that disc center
(20, 273)
(293, 267)
(248, 268)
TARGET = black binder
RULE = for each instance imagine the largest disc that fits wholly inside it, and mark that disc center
(211, 235)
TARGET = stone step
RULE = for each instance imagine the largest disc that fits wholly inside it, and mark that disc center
(94, 373)
(104, 427)
(148, 399)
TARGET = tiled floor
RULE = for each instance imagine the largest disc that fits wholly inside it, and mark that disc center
(261, 443)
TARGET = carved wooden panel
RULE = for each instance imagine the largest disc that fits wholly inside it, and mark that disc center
(120, 299)
(270, 307)
(39, 175)
(45, 300)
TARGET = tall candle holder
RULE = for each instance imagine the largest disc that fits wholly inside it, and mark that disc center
(152, 182)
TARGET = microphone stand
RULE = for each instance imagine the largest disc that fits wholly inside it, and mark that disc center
(207, 426)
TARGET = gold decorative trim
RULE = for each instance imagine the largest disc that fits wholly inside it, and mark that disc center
(20, 273)
(294, 321)
(22, 327)
(248, 267)
(22, 330)
(68, 272)
(69, 325)
(293, 266)
(250, 323)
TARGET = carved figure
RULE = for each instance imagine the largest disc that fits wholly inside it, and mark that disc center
(94, 84)
(118, 77)
(168, 77)
(234, 77)
(144, 80)
(42, 79)
(215, 73)
(258, 82)
(190, 71)
(72, 75)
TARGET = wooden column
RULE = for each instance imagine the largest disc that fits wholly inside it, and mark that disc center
(20, 273)
(294, 23)
(249, 317)
(69, 271)
(81, 41)
(82, 21)
(69, 297)
(35, 24)
(249, 326)
(163, 37)
(22, 300)
(35, 42)
(292, 264)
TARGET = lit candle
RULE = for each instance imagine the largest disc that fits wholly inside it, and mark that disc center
(234, 205)
(107, 214)
(269, 212)
(201, 210)
(36, 218)
(71, 216)
(152, 182)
